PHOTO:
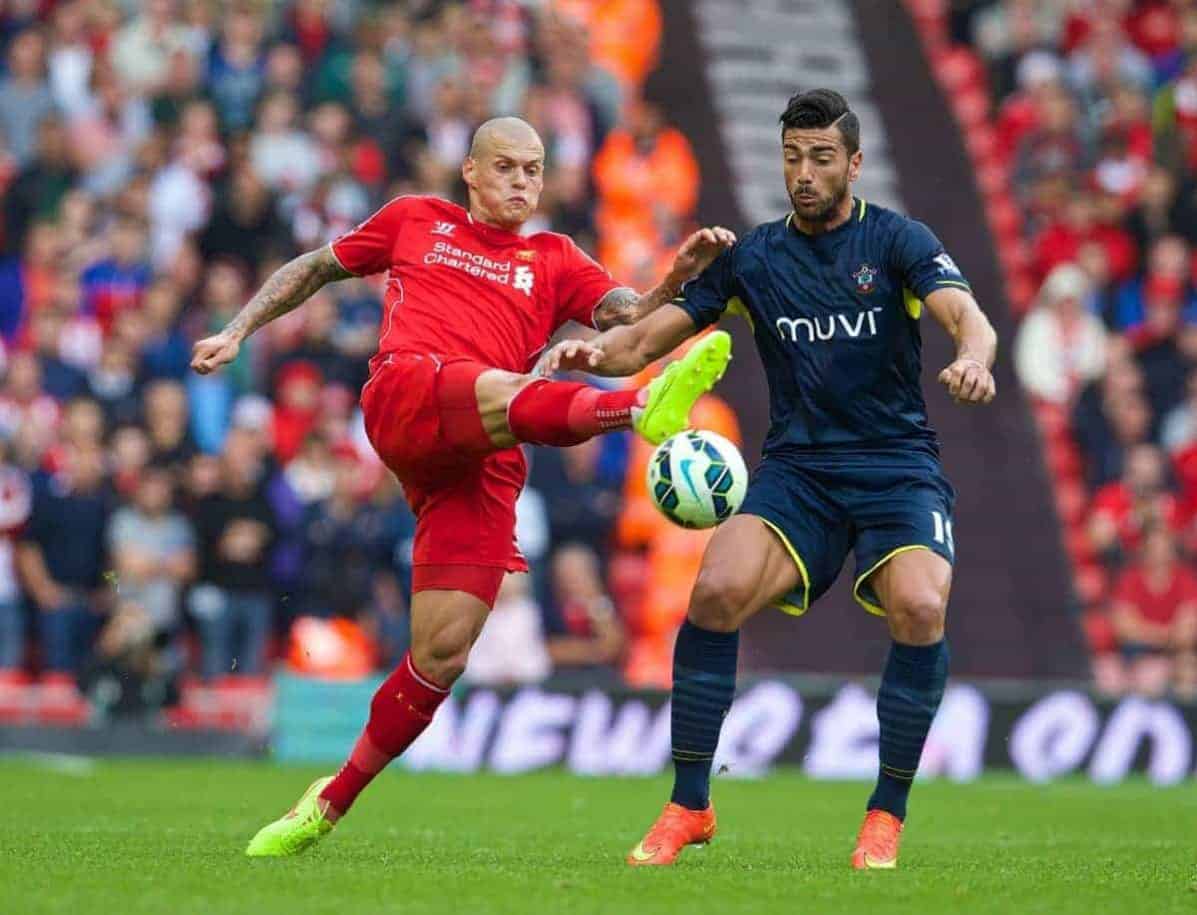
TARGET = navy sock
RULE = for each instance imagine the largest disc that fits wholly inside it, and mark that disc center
(911, 688)
(704, 681)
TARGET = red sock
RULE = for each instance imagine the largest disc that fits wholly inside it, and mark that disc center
(400, 710)
(565, 413)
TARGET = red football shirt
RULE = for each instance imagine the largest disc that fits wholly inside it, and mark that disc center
(1160, 607)
(458, 287)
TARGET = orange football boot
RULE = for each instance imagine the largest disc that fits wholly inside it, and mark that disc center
(676, 827)
(877, 843)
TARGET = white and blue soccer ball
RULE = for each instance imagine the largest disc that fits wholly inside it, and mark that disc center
(697, 478)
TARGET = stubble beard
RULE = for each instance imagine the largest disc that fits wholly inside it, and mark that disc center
(827, 208)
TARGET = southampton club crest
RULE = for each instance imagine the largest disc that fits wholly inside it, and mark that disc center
(864, 279)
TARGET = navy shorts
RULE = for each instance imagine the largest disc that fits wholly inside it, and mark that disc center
(876, 501)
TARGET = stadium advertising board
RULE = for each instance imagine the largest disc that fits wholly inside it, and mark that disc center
(827, 732)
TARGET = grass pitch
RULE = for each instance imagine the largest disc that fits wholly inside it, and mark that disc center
(128, 837)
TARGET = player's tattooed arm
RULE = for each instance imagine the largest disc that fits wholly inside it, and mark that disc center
(626, 306)
(286, 289)
(969, 378)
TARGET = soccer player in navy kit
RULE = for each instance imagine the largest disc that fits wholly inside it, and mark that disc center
(834, 293)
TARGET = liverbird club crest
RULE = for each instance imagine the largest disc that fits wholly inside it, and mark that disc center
(864, 279)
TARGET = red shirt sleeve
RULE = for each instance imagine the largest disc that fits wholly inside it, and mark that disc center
(369, 247)
(581, 284)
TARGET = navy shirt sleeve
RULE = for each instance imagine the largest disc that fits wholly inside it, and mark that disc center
(923, 263)
(705, 297)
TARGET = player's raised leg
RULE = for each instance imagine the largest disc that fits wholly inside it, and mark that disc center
(524, 408)
(913, 589)
(445, 625)
(744, 567)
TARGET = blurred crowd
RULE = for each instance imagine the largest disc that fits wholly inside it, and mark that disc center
(1095, 108)
(158, 159)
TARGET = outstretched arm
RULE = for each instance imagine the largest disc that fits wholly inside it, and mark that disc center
(627, 306)
(968, 379)
(286, 289)
(622, 350)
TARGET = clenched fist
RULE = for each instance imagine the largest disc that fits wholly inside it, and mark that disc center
(212, 352)
(968, 381)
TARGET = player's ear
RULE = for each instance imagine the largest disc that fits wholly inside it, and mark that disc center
(468, 167)
(854, 165)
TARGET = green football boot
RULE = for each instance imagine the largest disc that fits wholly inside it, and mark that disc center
(666, 409)
(302, 827)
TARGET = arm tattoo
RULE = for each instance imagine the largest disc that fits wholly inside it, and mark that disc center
(286, 289)
(626, 306)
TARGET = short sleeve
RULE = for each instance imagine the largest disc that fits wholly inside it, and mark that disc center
(369, 247)
(924, 264)
(705, 298)
(582, 283)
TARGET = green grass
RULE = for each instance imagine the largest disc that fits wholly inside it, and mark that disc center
(167, 837)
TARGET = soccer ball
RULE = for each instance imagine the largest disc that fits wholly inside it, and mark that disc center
(697, 479)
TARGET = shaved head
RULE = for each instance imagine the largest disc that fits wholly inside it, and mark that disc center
(504, 172)
(503, 132)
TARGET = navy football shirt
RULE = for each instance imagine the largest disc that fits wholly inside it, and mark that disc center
(835, 317)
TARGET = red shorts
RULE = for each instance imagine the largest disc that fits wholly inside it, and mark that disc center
(422, 418)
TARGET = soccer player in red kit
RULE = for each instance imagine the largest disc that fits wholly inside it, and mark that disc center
(470, 306)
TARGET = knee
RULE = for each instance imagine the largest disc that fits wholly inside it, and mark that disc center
(916, 616)
(442, 656)
(721, 600)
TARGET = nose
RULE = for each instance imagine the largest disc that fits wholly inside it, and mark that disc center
(520, 180)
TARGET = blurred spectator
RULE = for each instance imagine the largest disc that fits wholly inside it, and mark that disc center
(153, 552)
(70, 57)
(589, 636)
(165, 350)
(25, 96)
(582, 496)
(1124, 421)
(237, 68)
(1179, 429)
(1150, 309)
(1122, 510)
(165, 415)
(346, 544)
(16, 503)
(59, 379)
(647, 179)
(1155, 615)
(1060, 346)
(132, 672)
(118, 282)
(232, 605)
(245, 223)
(24, 408)
(141, 51)
(61, 558)
(40, 186)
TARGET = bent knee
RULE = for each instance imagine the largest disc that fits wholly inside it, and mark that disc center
(722, 599)
(916, 616)
(442, 658)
